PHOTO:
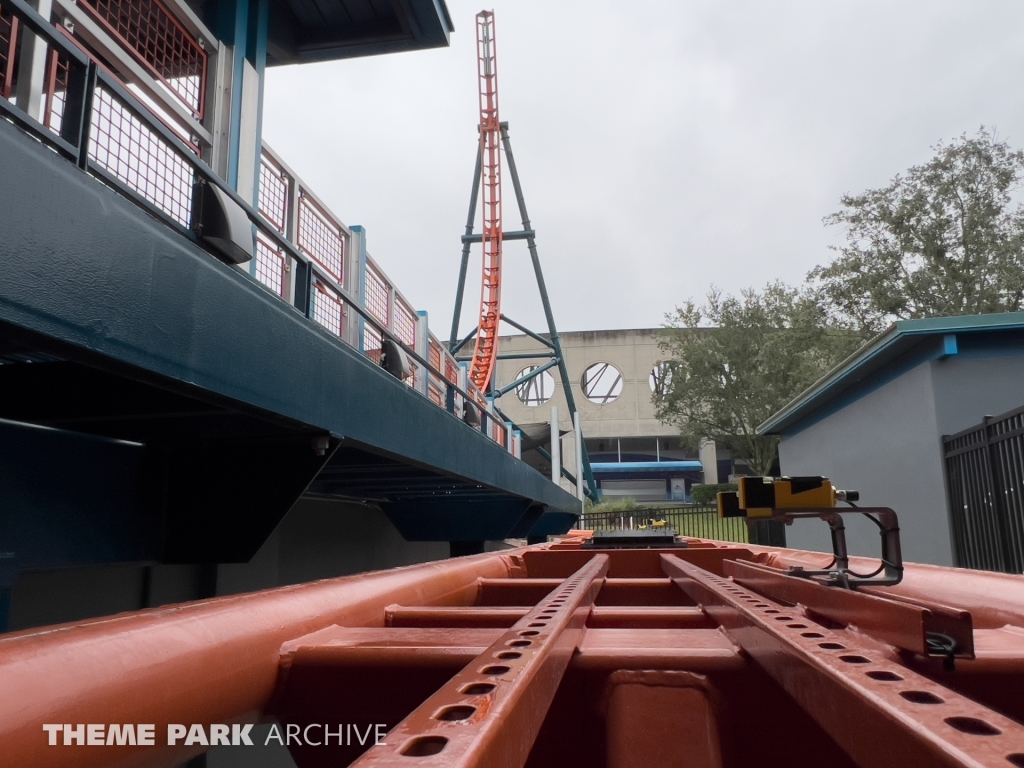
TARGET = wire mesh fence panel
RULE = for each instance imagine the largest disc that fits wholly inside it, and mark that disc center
(124, 146)
(169, 51)
(327, 308)
(499, 433)
(372, 342)
(271, 264)
(985, 485)
(435, 385)
(321, 238)
(377, 300)
(273, 197)
(451, 370)
(405, 323)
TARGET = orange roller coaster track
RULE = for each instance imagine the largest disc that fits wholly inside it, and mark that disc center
(486, 350)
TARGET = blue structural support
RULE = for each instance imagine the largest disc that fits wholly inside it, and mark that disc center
(552, 343)
(162, 406)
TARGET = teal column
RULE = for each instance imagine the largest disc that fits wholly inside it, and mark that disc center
(360, 279)
(233, 28)
(256, 53)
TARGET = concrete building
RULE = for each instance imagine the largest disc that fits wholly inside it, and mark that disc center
(614, 375)
(875, 424)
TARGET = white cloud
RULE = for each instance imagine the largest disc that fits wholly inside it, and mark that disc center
(662, 146)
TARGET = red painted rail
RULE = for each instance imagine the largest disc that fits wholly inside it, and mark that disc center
(554, 655)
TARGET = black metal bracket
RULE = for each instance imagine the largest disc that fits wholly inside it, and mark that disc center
(838, 573)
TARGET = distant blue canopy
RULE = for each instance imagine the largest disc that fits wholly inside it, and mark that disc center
(647, 466)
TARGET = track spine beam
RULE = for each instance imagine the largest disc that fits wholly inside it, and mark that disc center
(490, 713)
(882, 713)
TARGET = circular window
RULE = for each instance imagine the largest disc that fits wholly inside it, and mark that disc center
(660, 378)
(601, 383)
(537, 390)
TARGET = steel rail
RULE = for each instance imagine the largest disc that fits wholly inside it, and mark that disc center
(486, 348)
(994, 599)
(880, 712)
(490, 713)
(212, 661)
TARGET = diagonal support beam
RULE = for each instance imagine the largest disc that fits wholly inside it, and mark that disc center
(881, 713)
(588, 474)
(490, 713)
(526, 377)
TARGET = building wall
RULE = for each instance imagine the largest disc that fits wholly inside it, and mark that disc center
(633, 352)
(969, 388)
(885, 445)
(888, 445)
(630, 418)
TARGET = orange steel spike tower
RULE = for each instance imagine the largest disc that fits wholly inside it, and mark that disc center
(486, 349)
(482, 365)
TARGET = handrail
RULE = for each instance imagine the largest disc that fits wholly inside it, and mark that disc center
(77, 149)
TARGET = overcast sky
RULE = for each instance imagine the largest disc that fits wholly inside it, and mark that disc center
(663, 146)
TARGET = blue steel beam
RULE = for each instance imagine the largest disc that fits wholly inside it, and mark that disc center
(109, 283)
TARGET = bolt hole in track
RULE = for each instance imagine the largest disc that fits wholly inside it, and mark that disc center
(958, 737)
(921, 697)
(972, 725)
(883, 676)
(452, 714)
(425, 746)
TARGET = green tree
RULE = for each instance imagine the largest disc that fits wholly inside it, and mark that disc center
(762, 349)
(945, 239)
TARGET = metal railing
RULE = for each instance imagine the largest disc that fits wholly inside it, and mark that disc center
(695, 522)
(96, 122)
(160, 43)
(985, 490)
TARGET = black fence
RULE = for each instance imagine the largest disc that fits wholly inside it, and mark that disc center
(698, 522)
(984, 485)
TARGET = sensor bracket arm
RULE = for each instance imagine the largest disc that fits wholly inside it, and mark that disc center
(839, 573)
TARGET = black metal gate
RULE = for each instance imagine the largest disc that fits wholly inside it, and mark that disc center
(985, 488)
